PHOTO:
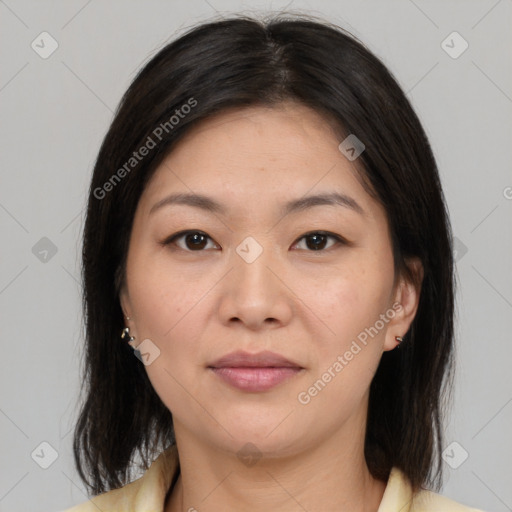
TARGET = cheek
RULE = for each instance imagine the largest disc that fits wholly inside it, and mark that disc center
(347, 356)
(171, 314)
(164, 298)
(347, 302)
(347, 305)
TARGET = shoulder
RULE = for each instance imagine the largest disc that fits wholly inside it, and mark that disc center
(428, 501)
(116, 499)
(399, 496)
(146, 494)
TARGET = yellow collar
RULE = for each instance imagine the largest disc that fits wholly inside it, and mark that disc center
(147, 493)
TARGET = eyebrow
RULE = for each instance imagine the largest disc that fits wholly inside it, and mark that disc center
(211, 205)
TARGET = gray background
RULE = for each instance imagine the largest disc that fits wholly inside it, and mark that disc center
(54, 113)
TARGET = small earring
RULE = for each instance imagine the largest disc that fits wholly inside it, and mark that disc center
(125, 335)
(398, 340)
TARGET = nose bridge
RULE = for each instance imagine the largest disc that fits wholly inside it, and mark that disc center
(253, 292)
(252, 260)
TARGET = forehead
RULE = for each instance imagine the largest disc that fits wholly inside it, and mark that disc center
(283, 130)
(259, 153)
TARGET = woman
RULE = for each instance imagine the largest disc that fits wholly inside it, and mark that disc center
(267, 229)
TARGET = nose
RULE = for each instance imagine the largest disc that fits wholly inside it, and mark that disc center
(255, 294)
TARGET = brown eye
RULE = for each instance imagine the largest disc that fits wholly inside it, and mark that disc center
(193, 240)
(317, 241)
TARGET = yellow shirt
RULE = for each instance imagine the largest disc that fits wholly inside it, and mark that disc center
(147, 493)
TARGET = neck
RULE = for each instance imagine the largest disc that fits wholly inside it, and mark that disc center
(330, 476)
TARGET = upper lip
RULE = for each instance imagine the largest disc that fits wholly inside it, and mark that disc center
(264, 359)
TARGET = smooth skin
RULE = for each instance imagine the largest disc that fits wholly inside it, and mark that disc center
(197, 299)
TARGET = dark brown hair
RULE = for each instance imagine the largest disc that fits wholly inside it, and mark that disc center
(233, 63)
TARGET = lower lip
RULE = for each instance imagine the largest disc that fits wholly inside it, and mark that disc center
(255, 379)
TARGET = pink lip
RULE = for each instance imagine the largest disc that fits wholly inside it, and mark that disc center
(254, 372)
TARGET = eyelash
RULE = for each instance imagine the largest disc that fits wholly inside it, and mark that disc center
(170, 240)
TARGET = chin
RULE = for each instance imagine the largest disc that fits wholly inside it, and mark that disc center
(270, 435)
(253, 445)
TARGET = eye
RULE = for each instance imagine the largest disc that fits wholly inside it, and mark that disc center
(196, 241)
(316, 240)
(193, 240)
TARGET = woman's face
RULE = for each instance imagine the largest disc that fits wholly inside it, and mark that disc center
(251, 281)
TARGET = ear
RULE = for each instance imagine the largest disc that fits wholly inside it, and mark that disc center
(405, 303)
(124, 300)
